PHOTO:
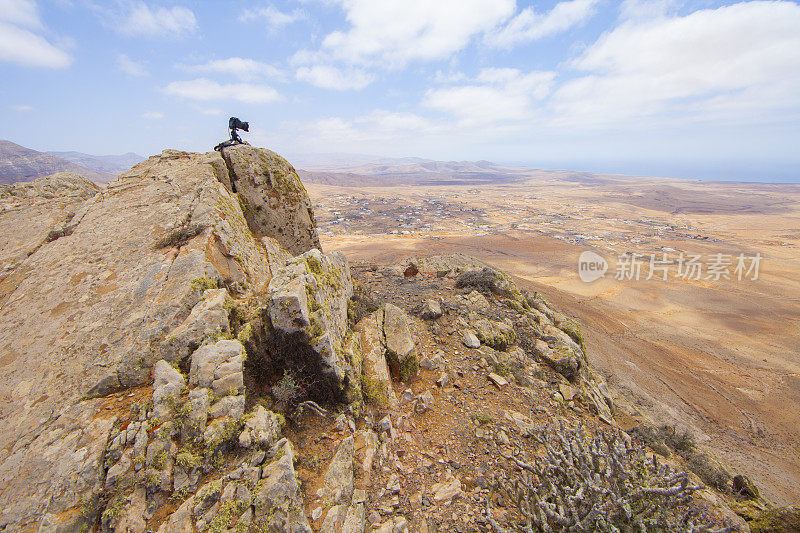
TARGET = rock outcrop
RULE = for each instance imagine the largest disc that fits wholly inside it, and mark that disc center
(277, 203)
(97, 285)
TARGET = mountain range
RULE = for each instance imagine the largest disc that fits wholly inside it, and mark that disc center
(18, 163)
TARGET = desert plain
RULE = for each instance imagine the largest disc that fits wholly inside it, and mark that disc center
(714, 350)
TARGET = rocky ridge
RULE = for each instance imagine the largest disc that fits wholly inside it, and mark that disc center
(202, 365)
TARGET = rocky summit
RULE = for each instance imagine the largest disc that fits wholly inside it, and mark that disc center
(180, 355)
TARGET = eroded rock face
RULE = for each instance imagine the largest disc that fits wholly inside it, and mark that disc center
(308, 302)
(278, 203)
(97, 285)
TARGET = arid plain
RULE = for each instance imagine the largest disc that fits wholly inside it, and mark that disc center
(720, 357)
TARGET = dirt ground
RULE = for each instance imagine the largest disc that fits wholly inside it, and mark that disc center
(719, 357)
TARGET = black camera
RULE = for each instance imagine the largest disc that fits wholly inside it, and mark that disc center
(236, 124)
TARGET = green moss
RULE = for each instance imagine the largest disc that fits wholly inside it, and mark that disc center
(204, 283)
(314, 265)
(226, 516)
(778, 519)
(409, 367)
(160, 460)
(113, 510)
(481, 418)
(573, 328)
(188, 460)
(374, 391)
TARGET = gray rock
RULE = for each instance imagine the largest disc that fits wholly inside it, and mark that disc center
(400, 351)
(354, 520)
(218, 366)
(498, 335)
(208, 317)
(198, 402)
(425, 402)
(469, 339)
(398, 524)
(167, 387)
(376, 383)
(431, 309)
(118, 472)
(181, 520)
(232, 406)
(262, 428)
(278, 203)
(339, 475)
(310, 296)
(333, 519)
(279, 503)
(114, 287)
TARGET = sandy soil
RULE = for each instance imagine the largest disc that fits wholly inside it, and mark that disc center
(721, 357)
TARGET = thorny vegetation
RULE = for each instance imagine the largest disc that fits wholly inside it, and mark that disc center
(598, 483)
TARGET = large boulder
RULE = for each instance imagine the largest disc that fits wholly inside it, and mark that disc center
(308, 302)
(400, 351)
(278, 205)
(376, 382)
(279, 501)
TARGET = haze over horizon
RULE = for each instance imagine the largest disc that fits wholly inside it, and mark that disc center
(698, 89)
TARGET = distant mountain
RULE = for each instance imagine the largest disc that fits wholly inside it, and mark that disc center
(18, 163)
(113, 164)
(362, 171)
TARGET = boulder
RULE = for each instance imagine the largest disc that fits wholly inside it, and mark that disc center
(498, 335)
(278, 205)
(308, 298)
(168, 384)
(231, 406)
(208, 318)
(262, 428)
(400, 351)
(488, 280)
(279, 502)
(218, 366)
(376, 383)
(339, 475)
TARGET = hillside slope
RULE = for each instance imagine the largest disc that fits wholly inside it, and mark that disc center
(18, 163)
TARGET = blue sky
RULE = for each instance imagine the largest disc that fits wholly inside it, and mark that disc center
(690, 89)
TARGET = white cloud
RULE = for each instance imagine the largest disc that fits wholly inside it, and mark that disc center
(529, 25)
(242, 68)
(204, 89)
(20, 39)
(131, 67)
(274, 18)
(20, 13)
(141, 20)
(329, 77)
(21, 46)
(495, 95)
(713, 63)
(391, 33)
(153, 115)
(23, 108)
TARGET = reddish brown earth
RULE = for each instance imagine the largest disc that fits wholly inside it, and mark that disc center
(720, 358)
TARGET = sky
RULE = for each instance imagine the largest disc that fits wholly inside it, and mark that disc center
(698, 89)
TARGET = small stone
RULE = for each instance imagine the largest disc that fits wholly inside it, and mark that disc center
(498, 380)
(567, 392)
(469, 339)
(431, 310)
(425, 402)
(316, 513)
